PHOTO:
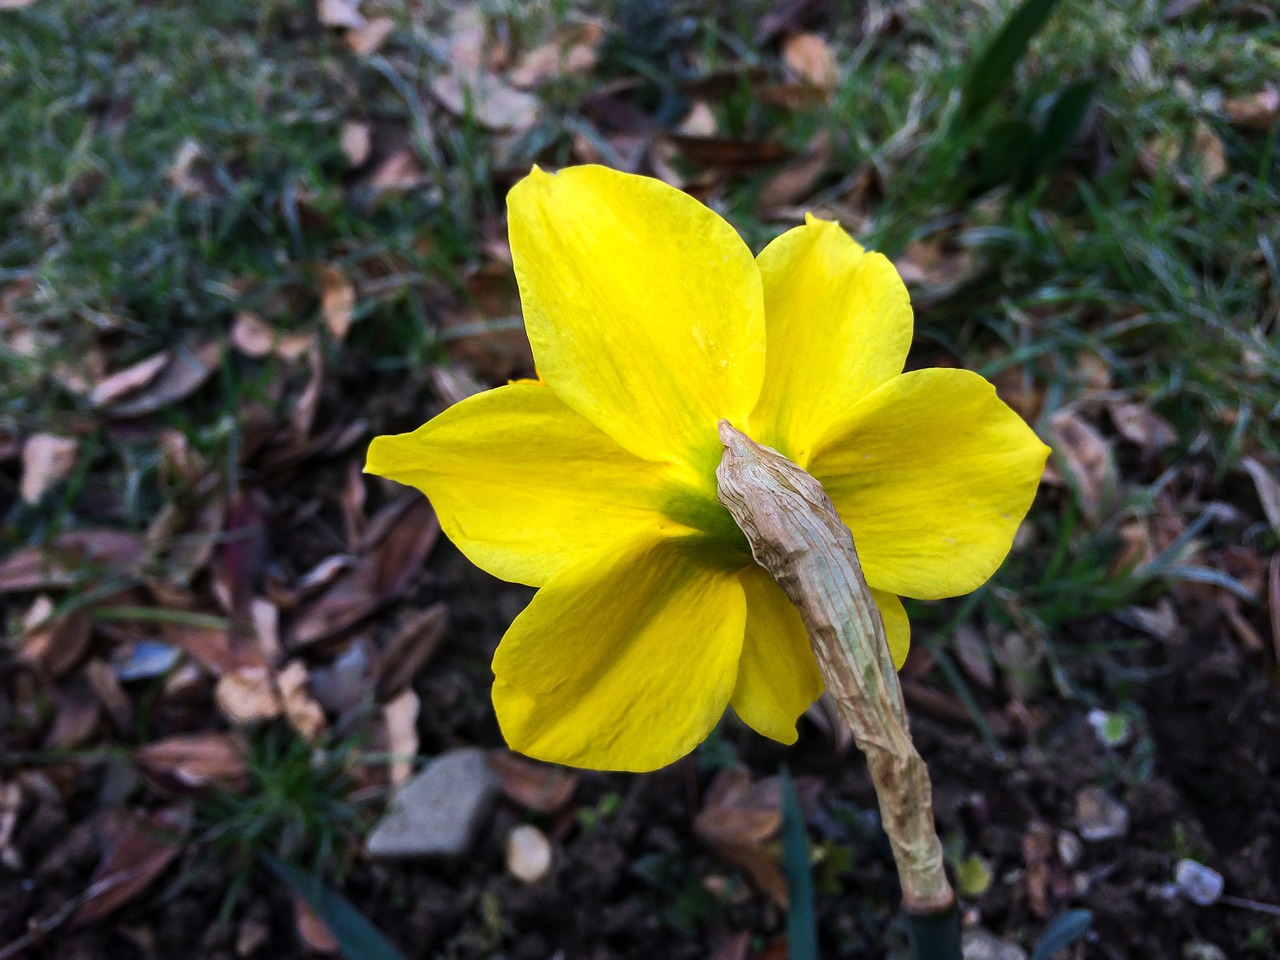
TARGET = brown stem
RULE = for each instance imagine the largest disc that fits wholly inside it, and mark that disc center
(797, 536)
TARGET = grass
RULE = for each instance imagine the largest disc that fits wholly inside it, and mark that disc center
(109, 255)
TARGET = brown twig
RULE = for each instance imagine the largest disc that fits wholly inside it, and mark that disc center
(797, 536)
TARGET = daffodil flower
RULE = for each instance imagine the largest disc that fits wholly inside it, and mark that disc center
(651, 321)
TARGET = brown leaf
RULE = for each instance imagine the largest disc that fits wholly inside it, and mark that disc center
(46, 460)
(1088, 458)
(573, 50)
(56, 643)
(936, 266)
(730, 154)
(248, 696)
(809, 57)
(185, 371)
(486, 333)
(1209, 153)
(343, 14)
(414, 644)
(300, 708)
(401, 718)
(491, 102)
(1142, 426)
(1268, 488)
(795, 182)
(71, 557)
(378, 577)
(1259, 111)
(399, 172)
(540, 787)
(370, 38)
(196, 760)
(311, 929)
(142, 851)
(129, 380)
(337, 301)
(254, 337)
(357, 141)
(213, 648)
(737, 820)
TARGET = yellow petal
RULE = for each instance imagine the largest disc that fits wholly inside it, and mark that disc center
(625, 662)
(897, 628)
(838, 323)
(778, 677)
(643, 306)
(522, 484)
(933, 473)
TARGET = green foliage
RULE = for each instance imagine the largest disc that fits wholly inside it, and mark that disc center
(802, 921)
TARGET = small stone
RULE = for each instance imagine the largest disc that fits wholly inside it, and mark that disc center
(437, 812)
(528, 854)
(979, 944)
(1100, 816)
(1199, 884)
(1069, 848)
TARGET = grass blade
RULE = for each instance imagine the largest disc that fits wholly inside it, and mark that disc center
(993, 68)
(1060, 128)
(358, 938)
(802, 925)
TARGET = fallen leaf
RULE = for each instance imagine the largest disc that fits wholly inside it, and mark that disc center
(248, 696)
(1210, 154)
(377, 578)
(184, 371)
(400, 171)
(57, 643)
(727, 153)
(311, 929)
(254, 337)
(370, 38)
(191, 174)
(1259, 111)
(937, 266)
(413, 645)
(129, 380)
(401, 718)
(344, 14)
(1141, 426)
(572, 50)
(300, 708)
(974, 655)
(810, 58)
(196, 760)
(72, 557)
(739, 820)
(337, 301)
(488, 100)
(795, 182)
(532, 785)
(1088, 459)
(1268, 488)
(700, 121)
(46, 460)
(141, 852)
(213, 649)
(357, 141)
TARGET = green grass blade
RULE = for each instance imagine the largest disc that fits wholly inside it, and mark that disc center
(802, 924)
(1061, 127)
(358, 938)
(994, 66)
(1064, 930)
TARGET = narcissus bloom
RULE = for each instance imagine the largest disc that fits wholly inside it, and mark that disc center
(651, 321)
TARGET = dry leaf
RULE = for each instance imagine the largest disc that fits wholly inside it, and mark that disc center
(129, 380)
(191, 174)
(491, 102)
(414, 644)
(311, 929)
(337, 301)
(46, 459)
(1088, 458)
(71, 557)
(300, 708)
(1259, 111)
(357, 141)
(531, 784)
(1210, 154)
(254, 337)
(795, 182)
(573, 50)
(196, 760)
(140, 853)
(936, 266)
(738, 821)
(810, 58)
(401, 718)
(400, 171)
(248, 696)
(370, 38)
(727, 153)
(341, 13)
(213, 648)
(56, 643)
(183, 373)
(1141, 426)
(1268, 490)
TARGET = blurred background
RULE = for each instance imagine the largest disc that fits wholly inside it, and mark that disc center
(239, 239)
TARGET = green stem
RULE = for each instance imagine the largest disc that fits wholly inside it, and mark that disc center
(934, 936)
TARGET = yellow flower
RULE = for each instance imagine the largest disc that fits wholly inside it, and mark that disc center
(650, 322)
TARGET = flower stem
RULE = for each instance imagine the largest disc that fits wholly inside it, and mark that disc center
(797, 536)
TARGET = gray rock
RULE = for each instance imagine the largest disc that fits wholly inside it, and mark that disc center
(979, 944)
(436, 814)
(1199, 884)
(1100, 816)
